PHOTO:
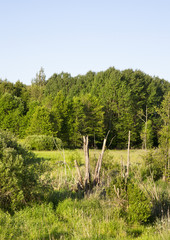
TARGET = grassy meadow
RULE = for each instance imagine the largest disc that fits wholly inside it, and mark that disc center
(70, 214)
(136, 155)
(63, 167)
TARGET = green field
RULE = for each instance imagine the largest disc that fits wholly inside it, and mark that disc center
(136, 155)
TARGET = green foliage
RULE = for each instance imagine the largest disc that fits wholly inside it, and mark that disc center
(58, 82)
(69, 107)
(6, 87)
(147, 134)
(42, 142)
(165, 135)
(40, 79)
(41, 122)
(75, 155)
(19, 174)
(154, 165)
(36, 222)
(139, 205)
(12, 110)
(38, 86)
(92, 218)
(44, 222)
(67, 214)
(87, 119)
(135, 206)
(60, 113)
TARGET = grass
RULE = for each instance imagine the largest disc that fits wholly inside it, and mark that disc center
(61, 173)
(69, 215)
(75, 219)
(136, 156)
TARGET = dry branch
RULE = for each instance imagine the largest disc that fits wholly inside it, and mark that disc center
(87, 162)
(99, 164)
(80, 179)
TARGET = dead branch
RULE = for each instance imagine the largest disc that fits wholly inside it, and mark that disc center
(87, 162)
(80, 179)
(99, 164)
(117, 191)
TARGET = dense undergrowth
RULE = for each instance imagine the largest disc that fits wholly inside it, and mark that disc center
(39, 198)
(90, 218)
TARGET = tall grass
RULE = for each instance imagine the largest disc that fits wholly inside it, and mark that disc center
(76, 219)
(67, 214)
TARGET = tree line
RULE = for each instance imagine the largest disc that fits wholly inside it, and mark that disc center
(69, 107)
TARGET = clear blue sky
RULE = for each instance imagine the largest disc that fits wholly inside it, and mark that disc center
(76, 36)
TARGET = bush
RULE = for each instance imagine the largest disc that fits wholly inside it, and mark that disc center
(154, 165)
(42, 142)
(134, 204)
(139, 206)
(19, 174)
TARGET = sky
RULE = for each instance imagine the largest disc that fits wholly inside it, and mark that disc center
(77, 36)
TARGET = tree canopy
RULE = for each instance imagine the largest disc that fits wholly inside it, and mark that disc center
(92, 104)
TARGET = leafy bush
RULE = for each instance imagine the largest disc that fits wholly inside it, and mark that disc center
(134, 204)
(154, 165)
(139, 206)
(19, 174)
(42, 142)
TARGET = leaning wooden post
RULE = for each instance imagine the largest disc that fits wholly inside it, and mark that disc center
(80, 179)
(99, 164)
(87, 162)
(128, 156)
(101, 157)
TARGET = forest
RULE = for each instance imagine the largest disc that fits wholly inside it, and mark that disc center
(85, 157)
(69, 107)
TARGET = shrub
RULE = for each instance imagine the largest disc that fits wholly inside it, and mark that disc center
(134, 204)
(139, 206)
(42, 142)
(154, 165)
(19, 174)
